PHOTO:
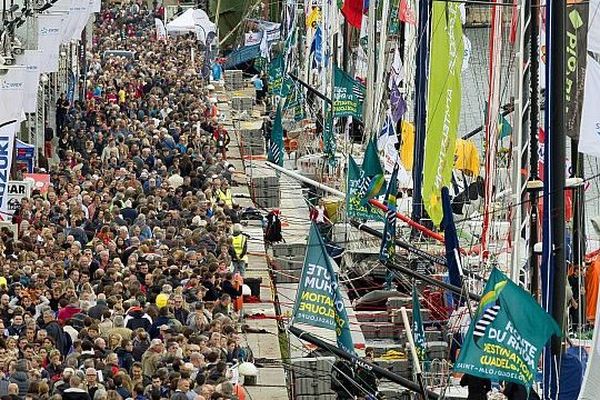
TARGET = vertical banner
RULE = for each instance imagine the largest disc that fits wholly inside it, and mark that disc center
(12, 89)
(49, 35)
(276, 143)
(7, 146)
(417, 326)
(319, 301)
(589, 138)
(161, 32)
(32, 62)
(506, 335)
(443, 108)
(577, 25)
(276, 71)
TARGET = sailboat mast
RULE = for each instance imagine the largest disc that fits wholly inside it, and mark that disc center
(520, 142)
(422, 63)
(554, 266)
(534, 120)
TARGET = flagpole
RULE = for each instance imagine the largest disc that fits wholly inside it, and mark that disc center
(357, 362)
(413, 353)
(369, 100)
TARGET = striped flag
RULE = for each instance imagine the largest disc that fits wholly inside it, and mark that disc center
(276, 145)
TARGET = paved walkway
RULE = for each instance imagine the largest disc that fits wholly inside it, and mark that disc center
(271, 381)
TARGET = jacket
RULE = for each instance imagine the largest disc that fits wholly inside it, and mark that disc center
(61, 339)
(137, 318)
(75, 394)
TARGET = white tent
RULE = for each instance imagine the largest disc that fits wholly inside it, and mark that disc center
(192, 20)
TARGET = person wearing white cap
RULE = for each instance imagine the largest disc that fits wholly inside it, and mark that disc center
(239, 250)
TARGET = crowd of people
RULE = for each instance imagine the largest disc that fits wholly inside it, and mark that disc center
(123, 281)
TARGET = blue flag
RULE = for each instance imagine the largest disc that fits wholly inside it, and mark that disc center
(450, 240)
(316, 48)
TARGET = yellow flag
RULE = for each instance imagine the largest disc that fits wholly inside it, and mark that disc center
(313, 17)
(408, 145)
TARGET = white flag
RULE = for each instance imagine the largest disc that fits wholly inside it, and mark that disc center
(49, 35)
(593, 41)
(264, 46)
(397, 71)
(12, 86)
(32, 61)
(589, 131)
(161, 32)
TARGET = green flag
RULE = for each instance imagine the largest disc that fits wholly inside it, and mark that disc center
(329, 143)
(507, 334)
(276, 72)
(348, 95)
(373, 181)
(443, 107)
(276, 144)
(319, 301)
(417, 326)
(355, 207)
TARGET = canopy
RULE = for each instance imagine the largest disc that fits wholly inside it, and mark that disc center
(192, 20)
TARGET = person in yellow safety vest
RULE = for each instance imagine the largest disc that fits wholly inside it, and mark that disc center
(239, 250)
(224, 194)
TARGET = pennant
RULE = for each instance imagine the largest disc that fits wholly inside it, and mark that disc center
(319, 301)
(506, 334)
(388, 245)
(406, 14)
(276, 144)
(417, 326)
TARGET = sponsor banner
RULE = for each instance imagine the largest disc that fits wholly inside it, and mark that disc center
(39, 182)
(49, 36)
(17, 191)
(443, 105)
(577, 25)
(589, 139)
(7, 145)
(319, 301)
(32, 62)
(12, 89)
(506, 335)
(348, 96)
